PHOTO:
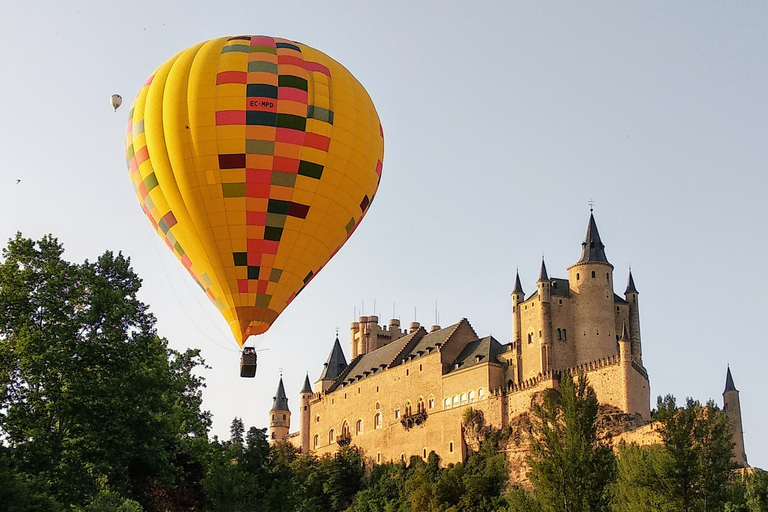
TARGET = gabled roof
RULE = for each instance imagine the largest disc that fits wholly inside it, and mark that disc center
(280, 401)
(415, 344)
(592, 248)
(477, 352)
(378, 359)
(335, 364)
(431, 341)
(619, 299)
(729, 386)
(559, 286)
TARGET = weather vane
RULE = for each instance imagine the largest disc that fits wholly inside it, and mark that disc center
(591, 205)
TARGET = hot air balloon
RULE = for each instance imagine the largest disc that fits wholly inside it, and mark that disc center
(116, 101)
(254, 158)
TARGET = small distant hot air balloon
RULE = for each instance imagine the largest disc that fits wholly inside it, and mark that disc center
(255, 158)
(116, 100)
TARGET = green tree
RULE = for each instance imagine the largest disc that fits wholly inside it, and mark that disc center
(570, 468)
(89, 392)
(640, 473)
(699, 448)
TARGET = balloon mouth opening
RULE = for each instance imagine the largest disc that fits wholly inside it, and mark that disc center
(254, 329)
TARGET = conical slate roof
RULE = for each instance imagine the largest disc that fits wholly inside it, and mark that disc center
(335, 364)
(307, 386)
(630, 284)
(518, 286)
(729, 386)
(625, 333)
(280, 401)
(592, 248)
(543, 272)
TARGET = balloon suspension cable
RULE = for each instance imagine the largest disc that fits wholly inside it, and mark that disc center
(155, 241)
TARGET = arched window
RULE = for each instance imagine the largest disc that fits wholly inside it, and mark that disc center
(316, 441)
(480, 394)
(317, 419)
(377, 406)
(377, 420)
(420, 405)
(397, 412)
(577, 276)
(463, 398)
(565, 336)
(331, 436)
(447, 403)
(408, 408)
(559, 334)
(359, 427)
(530, 337)
(431, 402)
(345, 430)
(593, 274)
(273, 435)
(455, 401)
(471, 396)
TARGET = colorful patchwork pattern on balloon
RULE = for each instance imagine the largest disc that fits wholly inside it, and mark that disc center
(260, 158)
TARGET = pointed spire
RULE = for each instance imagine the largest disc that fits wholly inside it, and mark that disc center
(729, 386)
(280, 401)
(543, 272)
(518, 286)
(592, 248)
(625, 333)
(335, 364)
(630, 284)
(307, 386)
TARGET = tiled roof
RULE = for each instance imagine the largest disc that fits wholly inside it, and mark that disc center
(477, 352)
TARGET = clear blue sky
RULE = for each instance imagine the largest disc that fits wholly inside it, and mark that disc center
(501, 121)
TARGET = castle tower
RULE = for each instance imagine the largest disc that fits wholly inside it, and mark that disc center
(304, 397)
(279, 415)
(591, 283)
(545, 296)
(625, 346)
(366, 335)
(518, 296)
(332, 368)
(630, 295)
(732, 409)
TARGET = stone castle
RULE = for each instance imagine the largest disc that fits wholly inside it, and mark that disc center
(404, 392)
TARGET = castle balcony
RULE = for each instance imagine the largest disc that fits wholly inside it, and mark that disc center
(344, 440)
(412, 420)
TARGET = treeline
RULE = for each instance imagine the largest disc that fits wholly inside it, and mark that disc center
(97, 414)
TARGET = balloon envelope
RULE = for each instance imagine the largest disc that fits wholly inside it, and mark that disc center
(116, 101)
(254, 158)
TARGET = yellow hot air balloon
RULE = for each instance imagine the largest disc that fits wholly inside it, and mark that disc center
(254, 158)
